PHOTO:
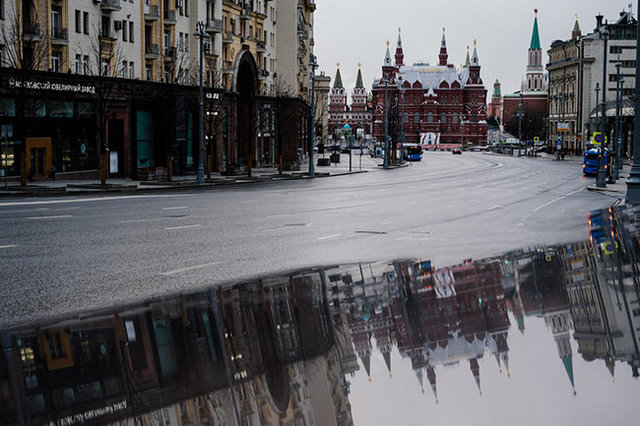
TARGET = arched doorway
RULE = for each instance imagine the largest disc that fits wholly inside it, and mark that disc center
(246, 85)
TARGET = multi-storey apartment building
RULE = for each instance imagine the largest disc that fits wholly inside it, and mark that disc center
(111, 85)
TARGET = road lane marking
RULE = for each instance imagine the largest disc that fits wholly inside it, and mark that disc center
(189, 268)
(61, 216)
(87, 200)
(522, 222)
(175, 208)
(147, 219)
(495, 208)
(182, 227)
(8, 246)
(329, 236)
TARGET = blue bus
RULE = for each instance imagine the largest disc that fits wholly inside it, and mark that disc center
(590, 162)
(412, 152)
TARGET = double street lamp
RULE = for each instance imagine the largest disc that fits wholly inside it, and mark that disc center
(618, 141)
(385, 163)
(520, 115)
(202, 34)
(600, 179)
(313, 64)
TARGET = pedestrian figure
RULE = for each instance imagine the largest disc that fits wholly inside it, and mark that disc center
(562, 154)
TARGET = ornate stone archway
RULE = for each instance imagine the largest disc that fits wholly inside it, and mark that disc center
(246, 86)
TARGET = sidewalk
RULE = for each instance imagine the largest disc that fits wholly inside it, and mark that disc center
(258, 175)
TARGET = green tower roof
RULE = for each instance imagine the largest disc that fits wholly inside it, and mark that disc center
(337, 84)
(359, 84)
(535, 37)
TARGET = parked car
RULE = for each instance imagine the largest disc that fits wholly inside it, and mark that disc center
(456, 151)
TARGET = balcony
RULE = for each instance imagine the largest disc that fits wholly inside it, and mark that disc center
(31, 32)
(59, 37)
(169, 17)
(109, 5)
(151, 51)
(214, 25)
(151, 12)
(227, 38)
(170, 54)
(261, 46)
(245, 14)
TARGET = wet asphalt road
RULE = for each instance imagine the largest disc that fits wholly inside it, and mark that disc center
(75, 253)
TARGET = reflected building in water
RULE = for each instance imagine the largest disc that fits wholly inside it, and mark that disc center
(282, 350)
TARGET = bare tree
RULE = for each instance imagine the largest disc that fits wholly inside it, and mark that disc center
(106, 61)
(25, 49)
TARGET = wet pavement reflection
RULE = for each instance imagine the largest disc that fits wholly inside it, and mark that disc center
(531, 336)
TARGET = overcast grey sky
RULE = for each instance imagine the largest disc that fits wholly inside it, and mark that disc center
(352, 31)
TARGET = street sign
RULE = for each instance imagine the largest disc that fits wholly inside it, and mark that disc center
(559, 142)
(619, 140)
(536, 139)
(563, 127)
(597, 138)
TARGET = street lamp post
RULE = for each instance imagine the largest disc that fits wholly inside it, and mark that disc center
(201, 33)
(600, 179)
(520, 114)
(385, 163)
(402, 128)
(462, 117)
(618, 141)
(559, 100)
(313, 64)
(633, 183)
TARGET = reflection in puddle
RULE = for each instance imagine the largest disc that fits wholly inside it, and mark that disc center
(287, 349)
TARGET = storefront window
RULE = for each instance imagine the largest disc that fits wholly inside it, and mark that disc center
(144, 139)
(7, 107)
(60, 108)
(35, 108)
(86, 109)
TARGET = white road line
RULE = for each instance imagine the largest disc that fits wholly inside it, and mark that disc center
(182, 227)
(522, 222)
(62, 216)
(88, 200)
(8, 246)
(190, 268)
(175, 208)
(148, 219)
(329, 236)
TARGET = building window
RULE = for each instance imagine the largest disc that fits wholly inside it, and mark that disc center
(454, 120)
(55, 62)
(2, 10)
(85, 22)
(131, 70)
(131, 32)
(78, 22)
(78, 64)
(186, 42)
(615, 49)
(416, 117)
(124, 69)
(125, 29)
(106, 24)
(85, 64)
(430, 117)
(443, 118)
(105, 66)
(148, 72)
